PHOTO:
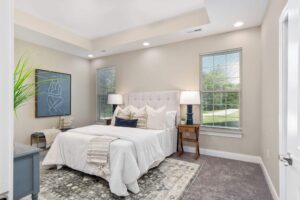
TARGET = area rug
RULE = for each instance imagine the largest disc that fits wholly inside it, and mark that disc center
(167, 181)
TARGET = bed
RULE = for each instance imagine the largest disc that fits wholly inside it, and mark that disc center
(132, 155)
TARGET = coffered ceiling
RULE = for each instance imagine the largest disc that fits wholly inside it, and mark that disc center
(101, 27)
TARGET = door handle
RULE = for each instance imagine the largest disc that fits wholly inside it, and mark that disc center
(287, 159)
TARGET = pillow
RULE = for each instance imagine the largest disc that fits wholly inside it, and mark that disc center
(156, 118)
(139, 114)
(121, 113)
(171, 119)
(126, 122)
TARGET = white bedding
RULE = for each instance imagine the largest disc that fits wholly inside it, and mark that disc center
(131, 156)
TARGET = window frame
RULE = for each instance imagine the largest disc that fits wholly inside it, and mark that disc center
(98, 119)
(215, 130)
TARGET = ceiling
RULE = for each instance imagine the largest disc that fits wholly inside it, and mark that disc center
(95, 18)
(102, 27)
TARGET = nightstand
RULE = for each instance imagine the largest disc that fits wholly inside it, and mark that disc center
(65, 129)
(108, 121)
(192, 129)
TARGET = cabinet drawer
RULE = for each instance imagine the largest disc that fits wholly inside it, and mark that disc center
(187, 129)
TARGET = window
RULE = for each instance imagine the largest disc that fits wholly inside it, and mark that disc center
(106, 84)
(220, 90)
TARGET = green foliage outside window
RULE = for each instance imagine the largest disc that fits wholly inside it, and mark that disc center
(106, 84)
(220, 93)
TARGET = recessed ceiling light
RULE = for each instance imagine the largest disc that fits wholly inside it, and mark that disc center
(146, 44)
(91, 56)
(238, 24)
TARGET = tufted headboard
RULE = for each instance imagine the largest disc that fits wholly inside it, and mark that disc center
(156, 99)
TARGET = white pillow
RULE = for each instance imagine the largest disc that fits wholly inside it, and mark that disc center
(156, 118)
(140, 114)
(122, 113)
(171, 119)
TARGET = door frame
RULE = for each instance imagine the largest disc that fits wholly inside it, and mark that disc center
(282, 100)
(6, 96)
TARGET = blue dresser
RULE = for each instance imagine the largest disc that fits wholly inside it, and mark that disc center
(26, 171)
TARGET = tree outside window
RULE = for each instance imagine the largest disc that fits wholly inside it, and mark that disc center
(106, 84)
(220, 89)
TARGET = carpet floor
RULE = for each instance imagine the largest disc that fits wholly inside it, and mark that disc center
(224, 179)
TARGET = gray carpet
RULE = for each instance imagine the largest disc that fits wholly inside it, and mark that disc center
(224, 179)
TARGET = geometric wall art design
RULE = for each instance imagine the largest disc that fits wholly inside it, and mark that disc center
(53, 94)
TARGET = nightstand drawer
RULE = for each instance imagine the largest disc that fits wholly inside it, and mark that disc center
(187, 129)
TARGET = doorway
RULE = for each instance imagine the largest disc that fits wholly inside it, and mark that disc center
(289, 101)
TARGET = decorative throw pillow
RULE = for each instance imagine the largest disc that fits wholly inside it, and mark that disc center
(156, 118)
(126, 122)
(121, 113)
(139, 114)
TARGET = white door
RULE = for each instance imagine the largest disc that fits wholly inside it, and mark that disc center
(290, 102)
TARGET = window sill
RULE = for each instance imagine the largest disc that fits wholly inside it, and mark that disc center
(232, 133)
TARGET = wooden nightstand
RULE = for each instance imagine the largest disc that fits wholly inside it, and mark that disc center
(192, 129)
(65, 129)
(108, 121)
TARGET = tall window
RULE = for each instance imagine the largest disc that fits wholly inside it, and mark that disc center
(106, 84)
(220, 89)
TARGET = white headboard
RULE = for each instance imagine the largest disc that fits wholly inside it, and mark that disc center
(156, 99)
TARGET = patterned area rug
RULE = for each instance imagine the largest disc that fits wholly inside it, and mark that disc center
(167, 181)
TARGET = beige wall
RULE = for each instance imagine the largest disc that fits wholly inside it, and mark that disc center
(176, 66)
(44, 58)
(269, 90)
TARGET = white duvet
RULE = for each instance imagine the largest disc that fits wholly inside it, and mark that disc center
(131, 156)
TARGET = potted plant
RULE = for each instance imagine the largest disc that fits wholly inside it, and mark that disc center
(24, 91)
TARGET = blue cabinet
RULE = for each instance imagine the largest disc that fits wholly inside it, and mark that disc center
(26, 171)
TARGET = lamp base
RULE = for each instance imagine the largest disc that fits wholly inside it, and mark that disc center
(189, 115)
(114, 108)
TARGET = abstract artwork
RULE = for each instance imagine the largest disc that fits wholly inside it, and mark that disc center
(53, 93)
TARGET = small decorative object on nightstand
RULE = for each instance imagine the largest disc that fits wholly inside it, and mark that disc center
(115, 99)
(65, 123)
(193, 129)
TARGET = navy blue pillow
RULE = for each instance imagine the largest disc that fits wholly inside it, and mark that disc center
(126, 122)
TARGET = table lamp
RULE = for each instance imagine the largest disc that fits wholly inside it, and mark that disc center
(190, 98)
(115, 99)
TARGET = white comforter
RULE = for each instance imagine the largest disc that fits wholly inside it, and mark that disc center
(131, 156)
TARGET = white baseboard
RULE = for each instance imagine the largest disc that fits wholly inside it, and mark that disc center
(269, 181)
(225, 154)
(240, 157)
